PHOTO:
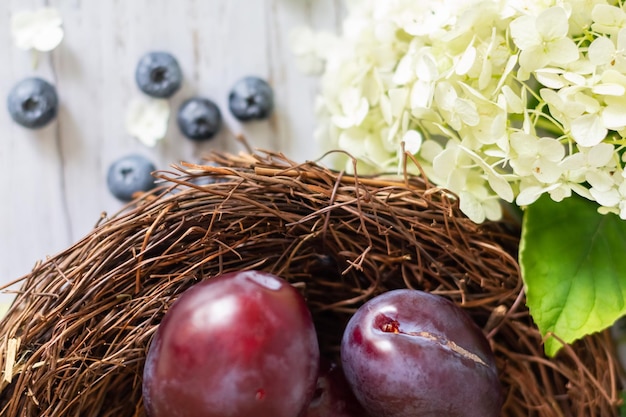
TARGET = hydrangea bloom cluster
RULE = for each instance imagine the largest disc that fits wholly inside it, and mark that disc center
(496, 99)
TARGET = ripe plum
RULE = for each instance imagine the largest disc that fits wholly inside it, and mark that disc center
(241, 344)
(408, 353)
(333, 396)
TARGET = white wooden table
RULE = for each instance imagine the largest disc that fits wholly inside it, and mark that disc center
(52, 181)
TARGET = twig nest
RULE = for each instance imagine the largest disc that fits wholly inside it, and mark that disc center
(75, 340)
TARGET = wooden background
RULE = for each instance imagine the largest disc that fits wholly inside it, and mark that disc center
(52, 181)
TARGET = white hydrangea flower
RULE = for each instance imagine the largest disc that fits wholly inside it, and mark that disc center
(543, 39)
(39, 29)
(537, 157)
(487, 118)
(147, 119)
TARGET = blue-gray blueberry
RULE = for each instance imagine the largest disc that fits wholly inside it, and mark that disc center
(251, 98)
(129, 175)
(158, 74)
(199, 118)
(33, 102)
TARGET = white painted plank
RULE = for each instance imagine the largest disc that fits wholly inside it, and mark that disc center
(52, 180)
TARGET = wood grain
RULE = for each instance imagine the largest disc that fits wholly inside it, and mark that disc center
(52, 179)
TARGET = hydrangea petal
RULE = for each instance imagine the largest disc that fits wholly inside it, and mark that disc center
(614, 116)
(600, 181)
(412, 141)
(600, 155)
(39, 29)
(600, 51)
(513, 101)
(53, 38)
(353, 141)
(529, 195)
(551, 78)
(563, 51)
(608, 198)
(466, 62)
(552, 23)
(471, 207)
(588, 130)
(551, 149)
(404, 71)
(422, 94)
(147, 120)
(616, 90)
(524, 33)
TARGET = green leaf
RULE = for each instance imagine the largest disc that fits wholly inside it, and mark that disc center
(573, 262)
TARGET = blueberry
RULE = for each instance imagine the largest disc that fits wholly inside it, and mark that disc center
(130, 174)
(158, 74)
(251, 98)
(33, 102)
(199, 118)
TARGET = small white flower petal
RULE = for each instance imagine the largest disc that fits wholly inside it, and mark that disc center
(601, 51)
(493, 209)
(426, 67)
(534, 58)
(422, 94)
(412, 141)
(563, 51)
(147, 120)
(588, 130)
(511, 63)
(445, 95)
(525, 145)
(513, 101)
(385, 108)
(471, 207)
(574, 78)
(547, 172)
(375, 153)
(500, 186)
(430, 149)
(404, 71)
(621, 40)
(468, 111)
(552, 23)
(608, 198)
(560, 193)
(398, 98)
(551, 78)
(616, 90)
(600, 180)
(614, 116)
(40, 29)
(600, 155)
(53, 38)
(551, 149)
(524, 33)
(529, 195)
(467, 61)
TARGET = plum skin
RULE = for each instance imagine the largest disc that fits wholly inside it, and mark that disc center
(333, 396)
(408, 353)
(239, 344)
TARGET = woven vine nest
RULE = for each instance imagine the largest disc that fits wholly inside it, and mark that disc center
(73, 343)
